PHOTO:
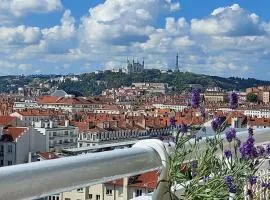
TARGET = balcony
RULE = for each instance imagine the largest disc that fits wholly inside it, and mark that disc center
(75, 172)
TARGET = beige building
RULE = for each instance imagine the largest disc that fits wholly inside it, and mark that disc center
(216, 97)
(265, 97)
(122, 189)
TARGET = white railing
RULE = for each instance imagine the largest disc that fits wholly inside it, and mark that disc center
(40, 179)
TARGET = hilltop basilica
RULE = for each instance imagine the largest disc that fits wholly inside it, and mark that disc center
(134, 67)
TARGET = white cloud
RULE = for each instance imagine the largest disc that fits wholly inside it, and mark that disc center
(11, 10)
(59, 39)
(55, 40)
(119, 22)
(230, 41)
(20, 35)
(229, 21)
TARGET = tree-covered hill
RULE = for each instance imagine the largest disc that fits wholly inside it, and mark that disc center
(93, 84)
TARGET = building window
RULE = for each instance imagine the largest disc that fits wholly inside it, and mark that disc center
(1, 163)
(9, 162)
(97, 197)
(109, 192)
(138, 193)
(67, 199)
(66, 133)
(54, 134)
(9, 148)
(90, 196)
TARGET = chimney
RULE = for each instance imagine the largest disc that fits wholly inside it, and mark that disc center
(66, 123)
(51, 124)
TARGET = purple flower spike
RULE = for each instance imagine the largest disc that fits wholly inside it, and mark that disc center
(233, 100)
(252, 180)
(172, 121)
(232, 188)
(228, 154)
(195, 98)
(250, 131)
(228, 180)
(264, 185)
(250, 140)
(184, 128)
(248, 150)
(230, 134)
(216, 123)
(261, 150)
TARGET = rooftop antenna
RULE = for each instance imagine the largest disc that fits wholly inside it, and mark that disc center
(177, 63)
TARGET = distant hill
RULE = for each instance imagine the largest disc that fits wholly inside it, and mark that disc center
(93, 84)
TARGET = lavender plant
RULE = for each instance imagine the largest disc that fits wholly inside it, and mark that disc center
(217, 167)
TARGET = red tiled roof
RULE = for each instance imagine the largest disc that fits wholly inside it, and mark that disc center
(14, 132)
(37, 112)
(48, 155)
(63, 100)
(6, 120)
(146, 180)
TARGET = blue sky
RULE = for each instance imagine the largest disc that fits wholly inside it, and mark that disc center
(221, 37)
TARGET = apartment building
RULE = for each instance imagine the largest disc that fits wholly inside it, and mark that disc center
(113, 132)
(171, 106)
(17, 142)
(29, 116)
(122, 189)
(27, 104)
(216, 97)
(258, 123)
(257, 112)
(57, 137)
(263, 93)
(68, 104)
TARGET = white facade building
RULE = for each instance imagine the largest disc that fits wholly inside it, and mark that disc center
(259, 113)
(107, 135)
(28, 117)
(68, 104)
(27, 104)
(122, 189)
(175, 107)
(57, 137)
(17, 142)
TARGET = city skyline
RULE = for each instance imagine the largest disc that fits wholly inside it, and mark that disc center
(224, 38)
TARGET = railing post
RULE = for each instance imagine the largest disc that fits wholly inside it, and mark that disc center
(162, 192)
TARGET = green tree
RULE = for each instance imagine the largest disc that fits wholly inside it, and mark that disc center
(251, 97)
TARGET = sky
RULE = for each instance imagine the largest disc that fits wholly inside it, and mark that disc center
(221, 37)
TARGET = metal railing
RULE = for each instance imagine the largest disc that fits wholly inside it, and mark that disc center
(41, 179)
